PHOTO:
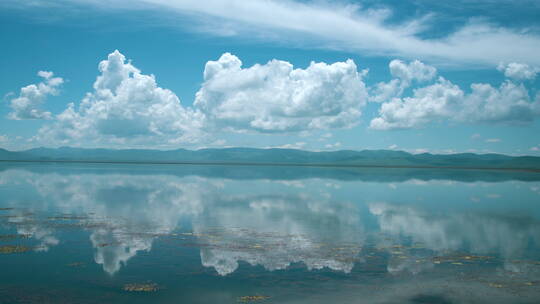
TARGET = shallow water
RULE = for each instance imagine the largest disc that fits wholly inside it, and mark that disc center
(76, 233)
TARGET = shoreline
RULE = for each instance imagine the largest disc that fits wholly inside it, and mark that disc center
(253, 164)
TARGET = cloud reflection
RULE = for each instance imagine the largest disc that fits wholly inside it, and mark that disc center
(261, 222)
(485, 233)
(276, 230)
(272, 230)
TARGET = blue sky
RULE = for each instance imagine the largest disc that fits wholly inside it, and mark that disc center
(407, 75)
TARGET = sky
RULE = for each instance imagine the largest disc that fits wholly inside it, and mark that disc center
(419, 75)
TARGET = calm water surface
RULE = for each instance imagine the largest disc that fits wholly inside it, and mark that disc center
(89, 233)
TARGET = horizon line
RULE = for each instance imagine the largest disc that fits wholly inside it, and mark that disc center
(266, 164)
(269, 148)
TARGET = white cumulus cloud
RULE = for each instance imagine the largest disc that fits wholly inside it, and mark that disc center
(518, 71)
(335, 145)
(27, 105)
(427, 104)
(126, 106)
(276, 97)
(297, 145)
(404, 75)
(443, 100)
(414, 70)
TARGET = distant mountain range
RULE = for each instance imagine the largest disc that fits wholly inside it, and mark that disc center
(345, 158)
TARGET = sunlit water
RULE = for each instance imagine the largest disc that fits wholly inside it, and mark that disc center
(79, 233)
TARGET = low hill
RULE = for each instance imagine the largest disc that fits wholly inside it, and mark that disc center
(376, 158)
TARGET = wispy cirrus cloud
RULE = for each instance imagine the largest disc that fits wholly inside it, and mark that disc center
(342, 25)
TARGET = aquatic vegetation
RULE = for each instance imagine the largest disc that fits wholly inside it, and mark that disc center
(144, 287)
(496, 285)
(68, 217)
(11, 216)
(14, 249)
(256, 298)
(101, 245)
(8, 237)
(526, 262)
(147, 234)
(77, 225)
(455, 259)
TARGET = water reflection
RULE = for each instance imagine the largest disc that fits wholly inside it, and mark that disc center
(43, 235)
(323, 223)
(479, 233)
(272, 230)
(505, 236)
(276, 230)
(124, 211)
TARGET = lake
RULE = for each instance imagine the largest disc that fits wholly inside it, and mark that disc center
(100, 233)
